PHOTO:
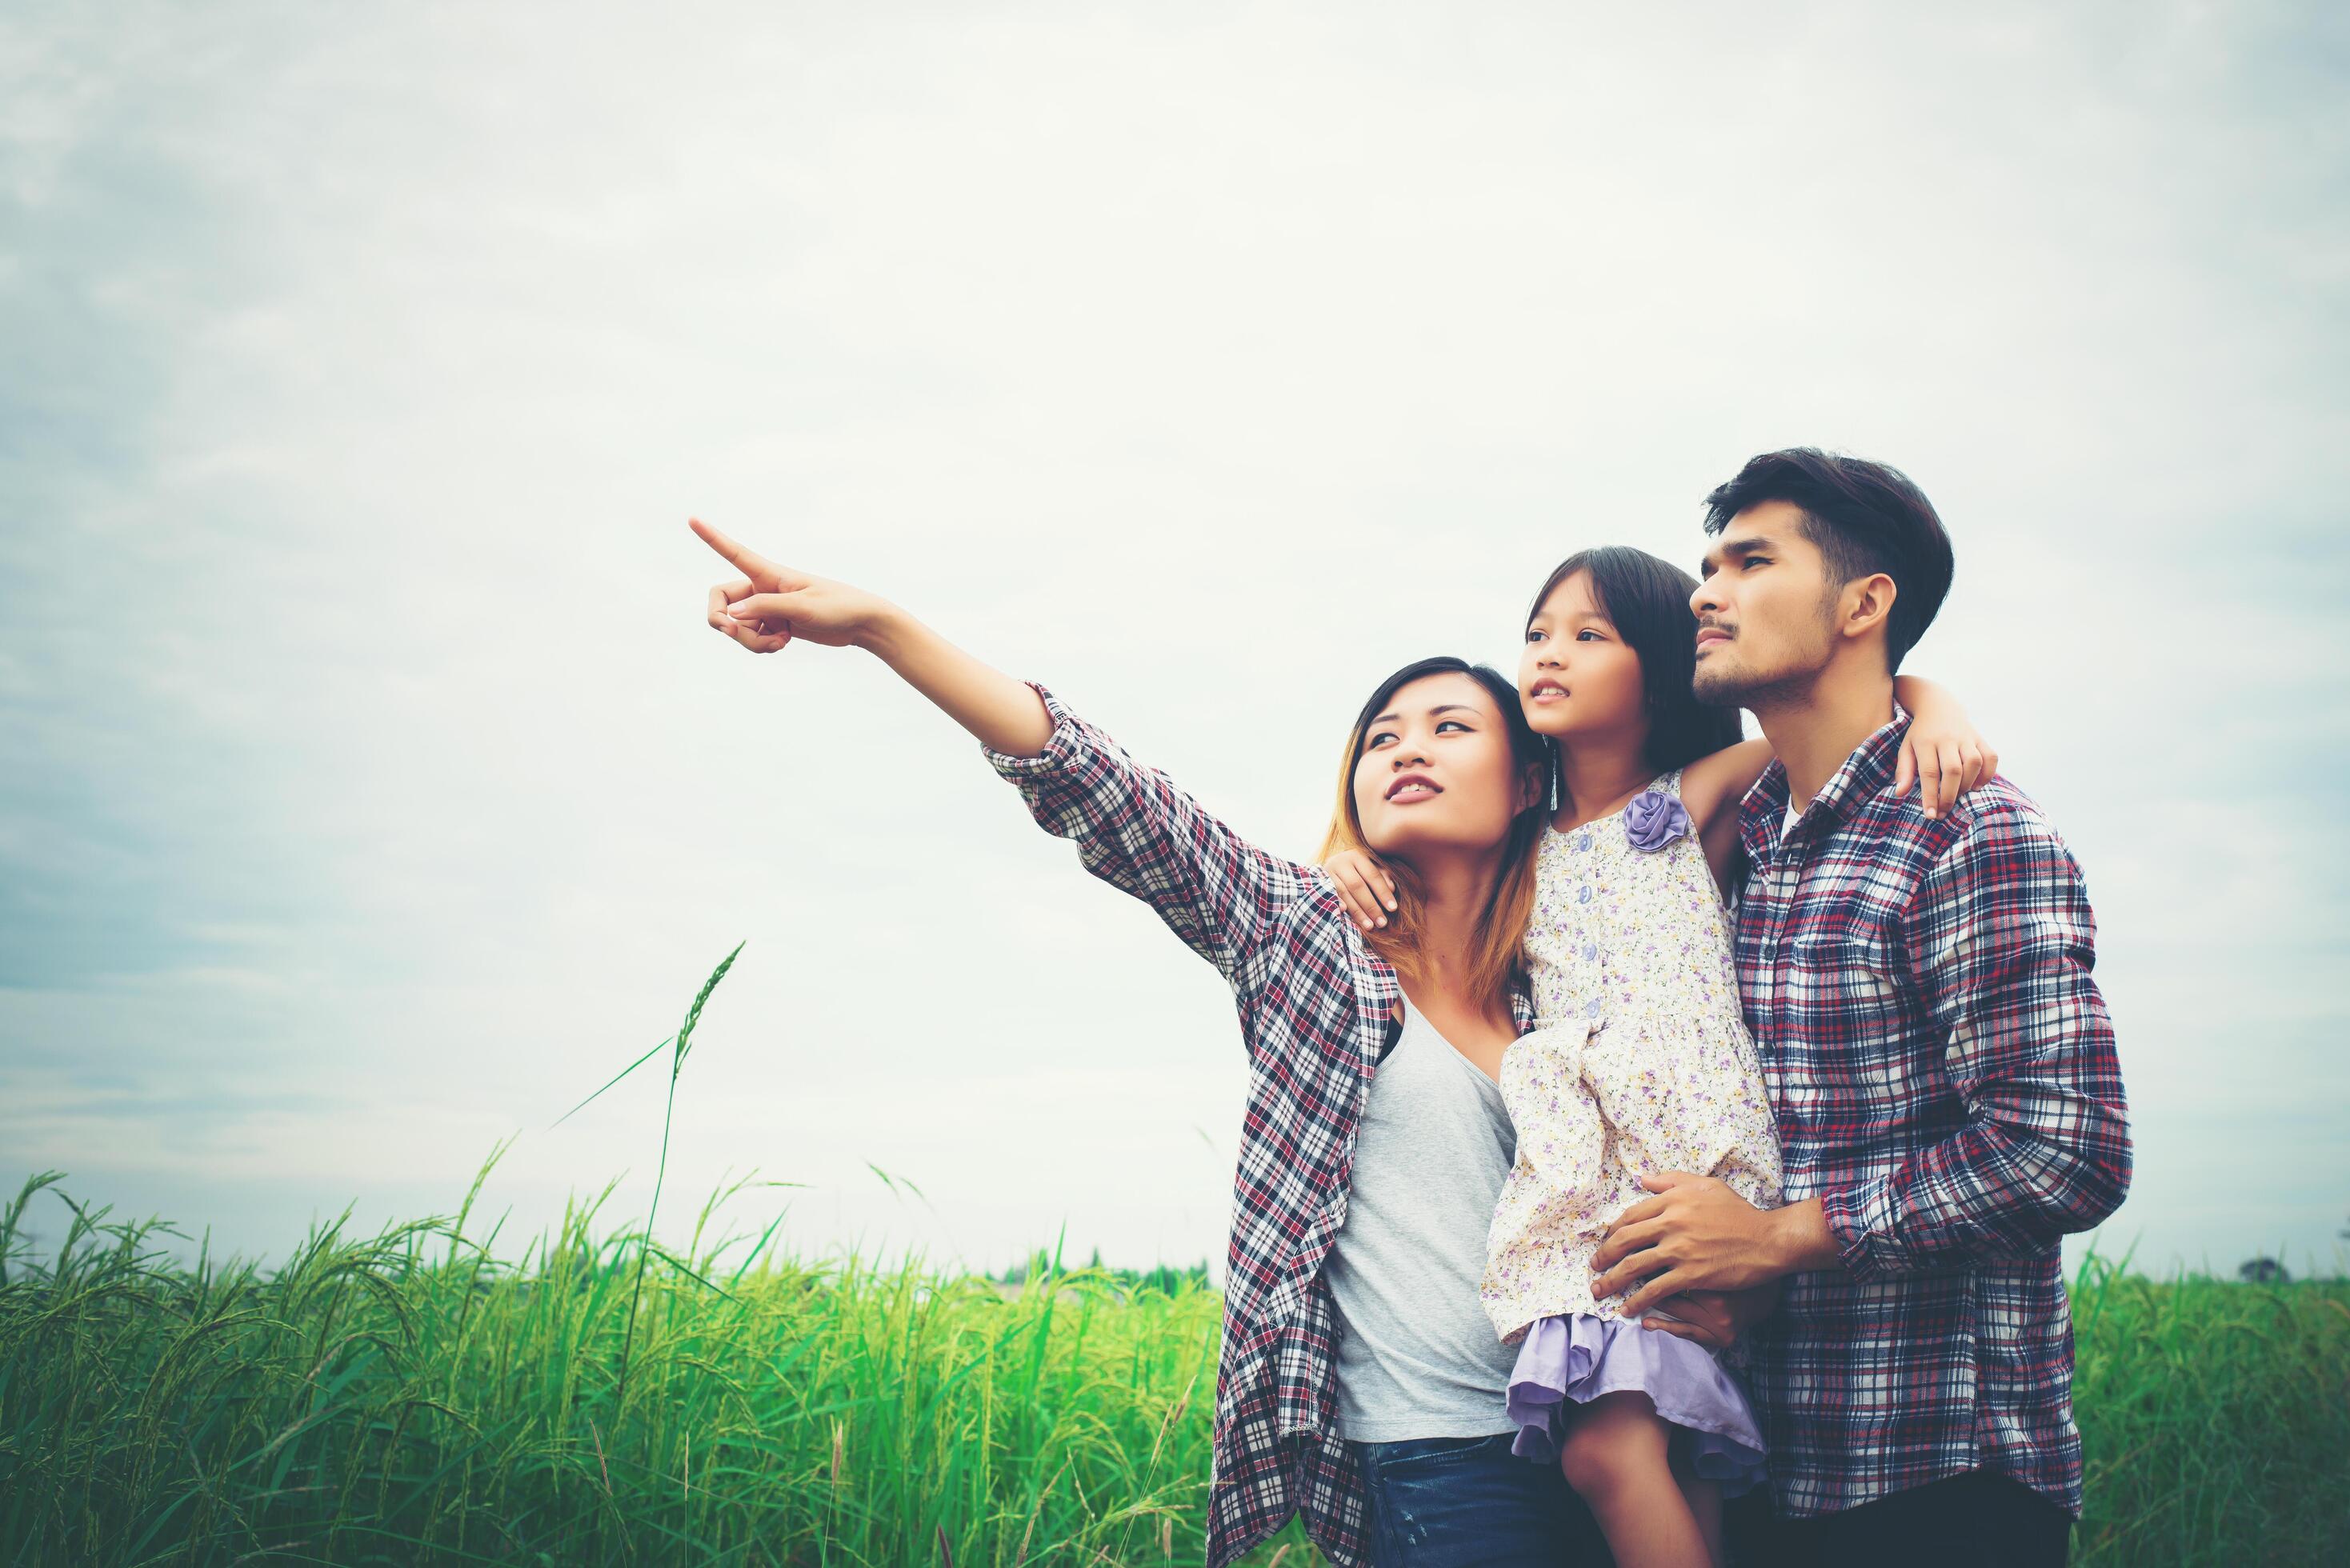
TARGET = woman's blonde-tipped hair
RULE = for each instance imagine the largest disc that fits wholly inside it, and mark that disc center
(1496, 958)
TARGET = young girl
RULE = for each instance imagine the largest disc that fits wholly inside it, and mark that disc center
(1640, 1062)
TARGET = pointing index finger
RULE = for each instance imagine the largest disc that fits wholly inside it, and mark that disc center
(749, 561)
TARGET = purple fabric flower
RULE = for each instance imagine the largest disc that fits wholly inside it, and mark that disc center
(1653, 820)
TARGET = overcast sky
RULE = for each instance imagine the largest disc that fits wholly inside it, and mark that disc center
(373, 788)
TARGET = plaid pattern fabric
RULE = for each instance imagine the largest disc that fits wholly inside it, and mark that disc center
(1944, 1077)
(1316, 1009)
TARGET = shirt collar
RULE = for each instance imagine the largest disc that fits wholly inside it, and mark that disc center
(1868, 772)
(1763, 813)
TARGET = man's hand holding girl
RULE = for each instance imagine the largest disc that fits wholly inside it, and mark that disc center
(1699, 1234)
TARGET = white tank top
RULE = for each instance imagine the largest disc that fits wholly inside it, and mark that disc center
(1417, 1356)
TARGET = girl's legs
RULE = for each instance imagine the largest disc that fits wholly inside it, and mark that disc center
(1618, 1456)
(1704, 1498)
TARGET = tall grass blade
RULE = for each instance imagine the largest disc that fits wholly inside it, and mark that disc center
(661, 1170)
(616, 1078)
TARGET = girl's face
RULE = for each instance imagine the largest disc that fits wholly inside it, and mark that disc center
(1436, 774)
(1578, 676)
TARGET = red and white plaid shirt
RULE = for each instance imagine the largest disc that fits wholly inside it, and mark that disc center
(1943, 1073)
(1315, 1007)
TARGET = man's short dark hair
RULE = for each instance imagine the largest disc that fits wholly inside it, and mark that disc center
(1864, 517)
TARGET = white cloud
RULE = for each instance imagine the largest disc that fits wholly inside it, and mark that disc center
(1205, 365)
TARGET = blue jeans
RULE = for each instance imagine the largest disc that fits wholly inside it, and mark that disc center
(1468, 1502)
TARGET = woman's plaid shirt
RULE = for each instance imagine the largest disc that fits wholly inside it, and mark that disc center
(1315, 1007)
(1944, 1077)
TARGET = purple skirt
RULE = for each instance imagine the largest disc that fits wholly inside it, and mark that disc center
(1580, 1357)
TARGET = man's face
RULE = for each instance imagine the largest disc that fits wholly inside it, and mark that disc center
(1765, 607)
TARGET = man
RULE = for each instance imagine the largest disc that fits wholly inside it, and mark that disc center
(1940, 1062)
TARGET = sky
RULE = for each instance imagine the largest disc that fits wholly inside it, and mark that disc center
(371, 787)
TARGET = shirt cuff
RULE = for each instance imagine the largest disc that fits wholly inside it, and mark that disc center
(1059, 751)
(1860, 1218)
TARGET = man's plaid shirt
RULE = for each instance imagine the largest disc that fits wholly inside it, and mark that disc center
(1943, 1073)
(1315, 1010)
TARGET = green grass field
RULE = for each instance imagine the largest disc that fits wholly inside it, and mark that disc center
(409, 1398)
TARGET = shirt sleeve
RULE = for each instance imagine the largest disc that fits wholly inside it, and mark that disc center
(1691, 1104)
(1138, 833)
(2002, 940)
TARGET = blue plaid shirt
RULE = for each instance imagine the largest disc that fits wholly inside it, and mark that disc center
(1944, 1078)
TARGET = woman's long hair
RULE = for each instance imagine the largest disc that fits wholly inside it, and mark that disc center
(1501, 924)
(1648, 600)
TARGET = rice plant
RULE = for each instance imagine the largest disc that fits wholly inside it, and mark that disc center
(409, 1398)
(414, 1397)
(2216, 1416)
(684, 1043)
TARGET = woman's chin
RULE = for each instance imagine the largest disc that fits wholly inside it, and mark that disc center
(1404, 841)
(1390, 841)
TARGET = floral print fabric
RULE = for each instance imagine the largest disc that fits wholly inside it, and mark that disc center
(1639, 1061)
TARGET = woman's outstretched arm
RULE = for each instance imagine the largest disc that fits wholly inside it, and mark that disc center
(1133, 828)
(771, 606)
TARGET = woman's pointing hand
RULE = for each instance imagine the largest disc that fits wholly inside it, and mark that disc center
(769, 605)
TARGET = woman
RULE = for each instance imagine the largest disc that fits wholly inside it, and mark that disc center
(1359, 1383)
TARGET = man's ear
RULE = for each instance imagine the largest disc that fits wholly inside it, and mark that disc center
(1865, 604)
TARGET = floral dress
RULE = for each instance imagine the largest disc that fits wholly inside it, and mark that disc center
(1639, 1061)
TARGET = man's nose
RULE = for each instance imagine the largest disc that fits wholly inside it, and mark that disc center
(1705, 598)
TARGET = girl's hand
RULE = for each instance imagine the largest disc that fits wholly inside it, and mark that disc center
(768, 605)
(1942, 754)
(1364, 884)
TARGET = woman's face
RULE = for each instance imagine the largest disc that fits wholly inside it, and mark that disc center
(1436, 774)
(1577, 675)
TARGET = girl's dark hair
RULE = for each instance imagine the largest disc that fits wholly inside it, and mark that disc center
(1648, 600)
(1501, 923)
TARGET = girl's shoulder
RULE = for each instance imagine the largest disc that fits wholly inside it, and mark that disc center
(1655, 806)
(1636, 863)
